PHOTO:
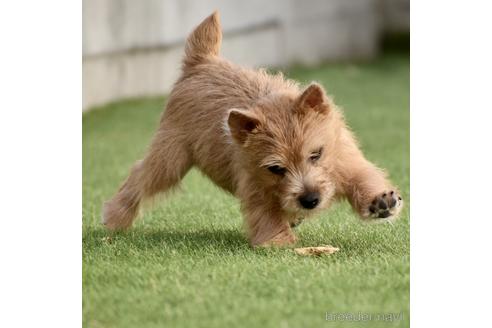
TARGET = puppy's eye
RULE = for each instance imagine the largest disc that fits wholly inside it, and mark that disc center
(316, 155)
(278, 170)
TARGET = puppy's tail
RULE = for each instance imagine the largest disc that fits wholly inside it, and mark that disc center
(204, 41)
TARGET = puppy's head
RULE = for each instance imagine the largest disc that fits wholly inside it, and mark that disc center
(287, 145)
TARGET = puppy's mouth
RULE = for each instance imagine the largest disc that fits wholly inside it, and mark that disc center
(306, 202)
(294, 207)
(306, 205)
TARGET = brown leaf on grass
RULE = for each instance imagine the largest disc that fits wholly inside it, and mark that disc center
(316, 251)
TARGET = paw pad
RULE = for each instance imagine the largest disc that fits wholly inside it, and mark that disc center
(385, 205)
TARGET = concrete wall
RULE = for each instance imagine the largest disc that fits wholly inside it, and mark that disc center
(134, 47)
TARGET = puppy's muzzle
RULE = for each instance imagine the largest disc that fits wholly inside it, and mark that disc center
(309, 200)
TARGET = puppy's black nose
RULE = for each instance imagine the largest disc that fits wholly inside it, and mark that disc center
(309, 200)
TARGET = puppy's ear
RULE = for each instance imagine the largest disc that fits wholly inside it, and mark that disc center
(313, 98)
(241, 124)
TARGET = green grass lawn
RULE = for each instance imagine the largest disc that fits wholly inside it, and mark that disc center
(187, 263)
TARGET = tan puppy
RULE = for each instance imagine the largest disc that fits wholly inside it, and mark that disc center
(285, 153)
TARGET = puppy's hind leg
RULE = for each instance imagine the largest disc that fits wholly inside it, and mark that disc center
(165, 164)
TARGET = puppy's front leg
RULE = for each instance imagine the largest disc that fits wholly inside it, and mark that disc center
(365, 186)
(371, 195)
(266, 226)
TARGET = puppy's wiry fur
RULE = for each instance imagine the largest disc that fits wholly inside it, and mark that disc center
(284, 152)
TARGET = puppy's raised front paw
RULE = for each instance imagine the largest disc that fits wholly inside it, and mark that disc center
(385, 205)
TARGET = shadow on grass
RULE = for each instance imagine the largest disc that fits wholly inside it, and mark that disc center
(142, 239)
(227, 242)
